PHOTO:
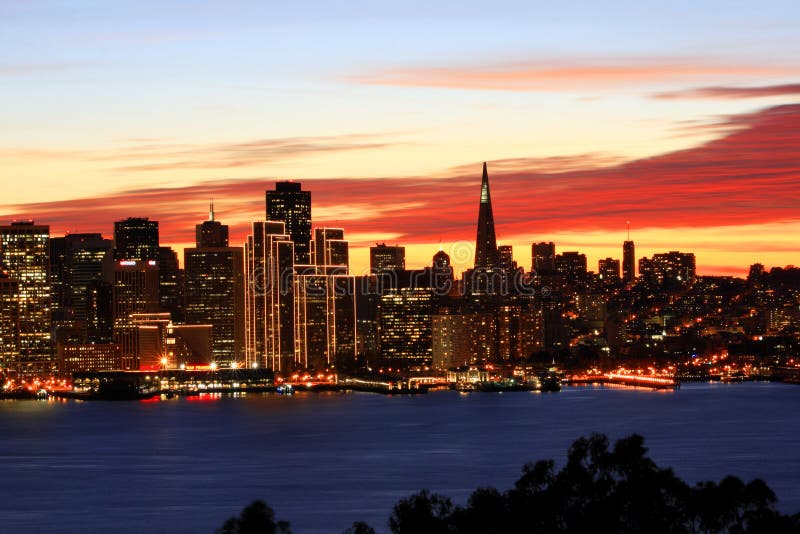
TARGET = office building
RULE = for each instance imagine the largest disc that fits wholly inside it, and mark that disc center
(269, 301)
(668, 268)
(9, 322)
(215, 291)
(628, 262)
(291, 205)
(571, 265)
(25, 255)
(608, 269)
(136, 239)
(383, 257)
(170, 284)
(543, 257)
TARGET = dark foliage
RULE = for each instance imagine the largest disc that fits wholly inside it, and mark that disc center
(256, 518)
(600, 489)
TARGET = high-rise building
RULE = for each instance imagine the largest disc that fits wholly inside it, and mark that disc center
(170, 283)
(406, 325)
(486, 256)
(269, 302)
(211, 233)
(505, 254)
(290, 204)
(572, 265)
(136, 239)
(383, 257)
(628, 262)
(215, 291)
(25, 255)
(543, 257)
(668, 268)
(76, 261)
(325, 318)
(9, 321)
(134, 289)
(330, 251)
(608, 269)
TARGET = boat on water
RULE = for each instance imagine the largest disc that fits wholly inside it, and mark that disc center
(550, 380)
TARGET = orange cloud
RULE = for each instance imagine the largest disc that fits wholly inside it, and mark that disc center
(566, 75)
(748, 176)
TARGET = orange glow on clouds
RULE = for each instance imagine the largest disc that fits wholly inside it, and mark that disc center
(734, 201)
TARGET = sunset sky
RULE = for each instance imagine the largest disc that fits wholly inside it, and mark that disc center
(682, 117)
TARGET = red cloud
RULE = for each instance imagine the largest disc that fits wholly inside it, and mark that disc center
(750, 175)
(790, 89)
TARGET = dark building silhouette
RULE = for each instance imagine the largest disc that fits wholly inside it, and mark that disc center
(486, 255)
(290, 204)
(386, 258)
(211, 233)
(543, 257)
(170, 283)
(572, 265)
(608, 269)
(505, 254)
(136, 239)
(628, 261)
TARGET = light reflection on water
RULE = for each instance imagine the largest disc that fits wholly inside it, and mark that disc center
(325, 460)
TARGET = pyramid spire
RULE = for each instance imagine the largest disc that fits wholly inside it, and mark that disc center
(486, 242)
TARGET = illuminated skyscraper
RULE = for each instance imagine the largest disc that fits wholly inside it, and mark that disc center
(668, 268)
(25, 254)
(76, 261)
(290, 204)
(325, 320)
(330, 251)
(486, 255)
(134, 289)
(269, 303)
(383, 257)
(9, 321)
(215, 290)
(136, 239)
(325, 303)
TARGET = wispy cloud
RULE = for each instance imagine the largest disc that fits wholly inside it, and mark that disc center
(566, 74)
(722, 92)
(750, 175)
(144, 155)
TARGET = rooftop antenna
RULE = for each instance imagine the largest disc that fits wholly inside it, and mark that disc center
(211, 210)
(629, 230)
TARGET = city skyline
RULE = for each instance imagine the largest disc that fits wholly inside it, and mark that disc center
(588, 115)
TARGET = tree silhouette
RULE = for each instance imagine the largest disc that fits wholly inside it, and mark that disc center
(599, 489)
(359, 527)
(256, 518)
